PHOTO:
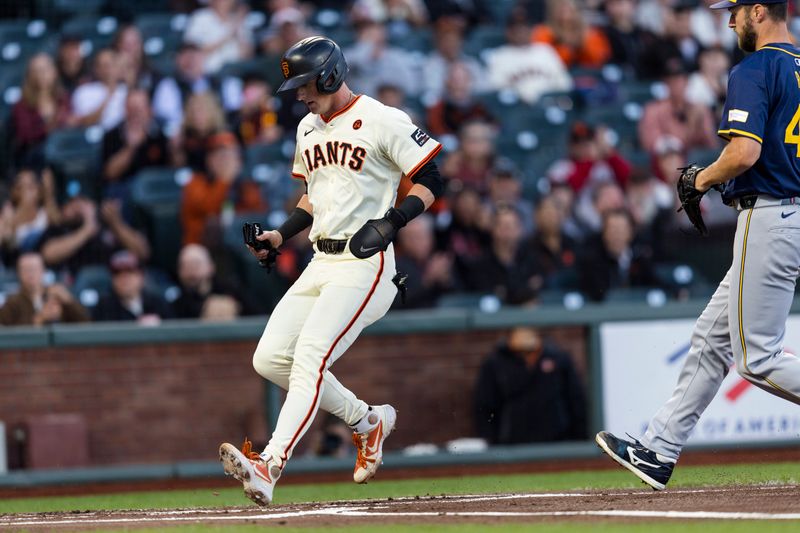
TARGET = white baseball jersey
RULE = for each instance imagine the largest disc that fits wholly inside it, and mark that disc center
(353, 161)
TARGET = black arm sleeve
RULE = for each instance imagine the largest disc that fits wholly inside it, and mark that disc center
(429, 176)
(297, 221)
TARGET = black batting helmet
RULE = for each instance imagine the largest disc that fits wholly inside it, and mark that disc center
(314, 58)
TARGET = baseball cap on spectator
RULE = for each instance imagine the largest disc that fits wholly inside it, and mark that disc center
(223, 139)
(725, 4)
(123, 261)
(505, 168)
(674, 67)
(581, 131)
(188, 45)
(668, 144)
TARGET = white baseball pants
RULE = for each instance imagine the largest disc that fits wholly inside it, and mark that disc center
(315, 322)
(744, 322)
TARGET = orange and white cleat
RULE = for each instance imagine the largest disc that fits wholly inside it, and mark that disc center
(370, 444)
(257, 474)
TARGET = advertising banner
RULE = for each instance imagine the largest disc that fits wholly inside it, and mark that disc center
(640, 366)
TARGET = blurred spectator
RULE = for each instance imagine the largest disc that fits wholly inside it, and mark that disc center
(202, 118)
(466, 234)
(390, 92)
(652, 14)
(207, 193)
(675, 45)
(612, 261)
(625, 37)
(36, 304)
(458, 105)
(44, 107)
(70, 63)
(649, 199)
(529, 391)
(708, 86)
(130, 52)
(577, 43)
(471, 163)
(391, 12)
(591, 159)
(102, 101)
(136, 143)
(287, 25)
(220, 32)
(256, 122)
(172, 93)
(505, 188)
(31, 209)
(203, 294)
(710, 27)
(430, 273)
(593, 205)
(692, 124)
(86, 237)
(128, 299)
(554, 252)
(506, 268)
(449, 51)
(372, 59)
(528, 69)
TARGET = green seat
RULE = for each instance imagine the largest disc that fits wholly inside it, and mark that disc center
(156, 196)
(483, 38)
(622, 119)
(264, 154)
(74, 155)
(91, 282)
(97, 31)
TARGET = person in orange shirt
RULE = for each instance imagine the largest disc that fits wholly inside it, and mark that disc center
(205, 195)
(565, 29)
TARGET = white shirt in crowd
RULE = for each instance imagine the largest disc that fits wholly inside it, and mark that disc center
(88, 97)
(205, 28)
(531, 70)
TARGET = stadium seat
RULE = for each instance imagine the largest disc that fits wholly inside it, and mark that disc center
(703, 156)
(621, 119)
(156, 195)
(652, 296)
(483, 38)
(97, 31)
(91, 283)
(74, 155)
(412, 40)
(161, 33)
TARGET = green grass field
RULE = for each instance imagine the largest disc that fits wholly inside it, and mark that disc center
(779, 473)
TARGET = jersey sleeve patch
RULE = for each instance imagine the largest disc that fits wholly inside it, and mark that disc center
(420, 137)
(737, 115)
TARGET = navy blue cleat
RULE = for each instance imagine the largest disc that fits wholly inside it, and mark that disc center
(649, 466)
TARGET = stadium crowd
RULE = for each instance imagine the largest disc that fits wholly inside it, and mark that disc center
(563, 123)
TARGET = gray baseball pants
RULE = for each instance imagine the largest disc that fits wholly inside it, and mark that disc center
(745, 322)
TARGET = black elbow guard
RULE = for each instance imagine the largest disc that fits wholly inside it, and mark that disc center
(429, 177)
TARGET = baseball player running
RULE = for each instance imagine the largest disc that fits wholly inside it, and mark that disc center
(351, 154)
(745, 319)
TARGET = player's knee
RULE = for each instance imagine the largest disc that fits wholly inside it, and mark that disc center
(269, 360)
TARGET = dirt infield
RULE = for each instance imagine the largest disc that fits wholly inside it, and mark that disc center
(735, 503)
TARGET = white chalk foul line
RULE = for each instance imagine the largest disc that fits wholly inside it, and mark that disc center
(369, 508)
(356, 512)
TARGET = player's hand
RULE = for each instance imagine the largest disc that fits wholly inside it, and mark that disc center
(272, 237)
(376, 234)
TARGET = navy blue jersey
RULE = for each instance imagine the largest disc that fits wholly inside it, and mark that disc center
(763, 103)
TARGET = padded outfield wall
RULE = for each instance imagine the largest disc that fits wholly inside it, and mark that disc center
(171, 393)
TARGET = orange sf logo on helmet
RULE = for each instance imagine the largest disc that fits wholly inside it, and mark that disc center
(285, 68)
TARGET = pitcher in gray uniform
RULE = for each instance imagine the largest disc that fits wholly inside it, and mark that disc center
(745, 320)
